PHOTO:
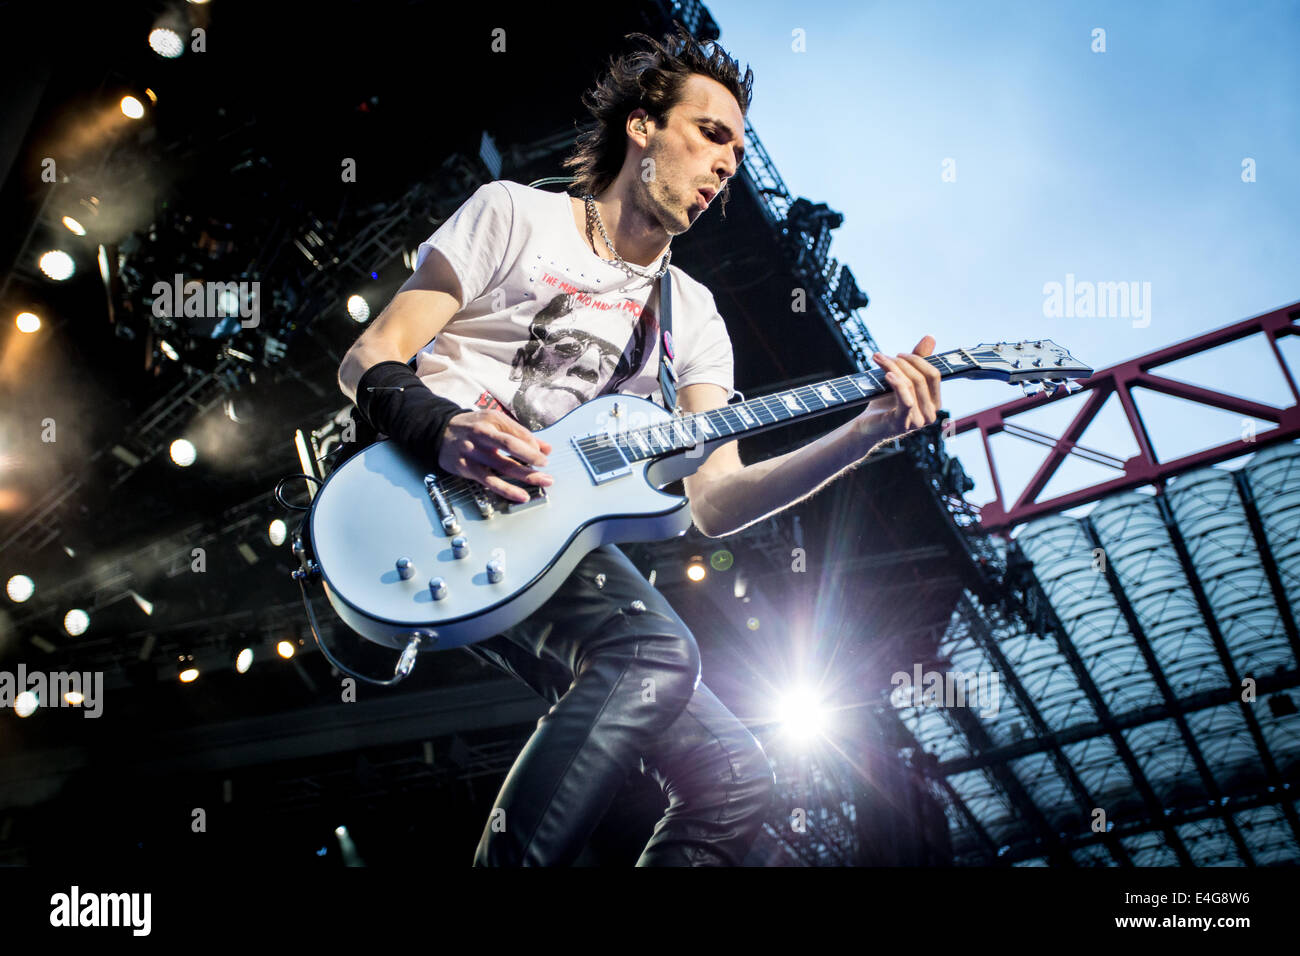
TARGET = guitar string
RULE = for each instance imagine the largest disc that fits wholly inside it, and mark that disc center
(460, 486)
(463, 489)
(460, 490)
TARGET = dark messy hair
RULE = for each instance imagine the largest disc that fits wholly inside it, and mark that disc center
(652, 80)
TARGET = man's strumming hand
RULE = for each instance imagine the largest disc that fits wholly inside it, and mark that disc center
(472, 445)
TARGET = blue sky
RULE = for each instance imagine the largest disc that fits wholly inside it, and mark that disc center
(1115, 166)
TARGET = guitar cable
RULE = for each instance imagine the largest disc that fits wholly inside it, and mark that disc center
(405, 663)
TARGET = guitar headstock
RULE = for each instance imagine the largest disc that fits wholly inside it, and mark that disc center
(1036, 365)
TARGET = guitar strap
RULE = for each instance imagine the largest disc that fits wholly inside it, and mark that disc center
(667, 375)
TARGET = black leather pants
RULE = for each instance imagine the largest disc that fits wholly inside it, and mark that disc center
(624, 684)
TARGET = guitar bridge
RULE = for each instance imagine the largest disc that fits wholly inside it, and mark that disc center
(446, 513)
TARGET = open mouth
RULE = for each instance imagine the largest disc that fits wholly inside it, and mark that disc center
(707, 195)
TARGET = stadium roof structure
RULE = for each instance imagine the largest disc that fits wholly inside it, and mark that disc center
(1155, 723)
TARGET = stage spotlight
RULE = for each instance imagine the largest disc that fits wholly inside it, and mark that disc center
(358, 308)
(76, 227)
(166, 43)
(76, 621)
(228, 302)
(695, 570)
(142, 604)
(28, 321)
(802, 714)
(185, 669)
(347, 848)
(168, 351)
(25, 704)
(244, 660)
(74, 698)
(57, 265)
(19, 588)
(277, 532)
(285, 649)
(183, 452)
(132, 108)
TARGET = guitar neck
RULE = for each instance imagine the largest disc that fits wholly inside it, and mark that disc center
(771, 411)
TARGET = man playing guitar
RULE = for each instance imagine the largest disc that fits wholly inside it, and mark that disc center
(515, 313)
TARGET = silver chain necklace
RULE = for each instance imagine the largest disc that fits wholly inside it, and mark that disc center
(633, 271)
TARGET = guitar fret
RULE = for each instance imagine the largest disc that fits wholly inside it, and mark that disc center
(811, 400)
(776, 406)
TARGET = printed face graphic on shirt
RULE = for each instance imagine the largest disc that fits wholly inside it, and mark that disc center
(565, 363)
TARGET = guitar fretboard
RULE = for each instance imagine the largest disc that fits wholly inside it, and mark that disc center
(758, 414)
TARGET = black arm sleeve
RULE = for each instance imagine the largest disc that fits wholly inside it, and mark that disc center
(396, 402)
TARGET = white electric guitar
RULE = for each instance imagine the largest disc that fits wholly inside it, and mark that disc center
(418, 560)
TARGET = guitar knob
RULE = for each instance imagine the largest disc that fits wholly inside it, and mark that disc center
(460, 546)
(405, 568)
(496, 570)
(438, 588)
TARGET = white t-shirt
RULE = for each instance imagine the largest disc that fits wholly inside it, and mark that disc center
(546, 324)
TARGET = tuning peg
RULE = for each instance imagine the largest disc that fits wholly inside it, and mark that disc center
(1031, 388)
(1072, 386)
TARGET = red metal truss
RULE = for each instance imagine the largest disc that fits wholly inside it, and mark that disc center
(1143, 468)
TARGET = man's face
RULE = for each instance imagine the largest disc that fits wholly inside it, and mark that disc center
(700, 147)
